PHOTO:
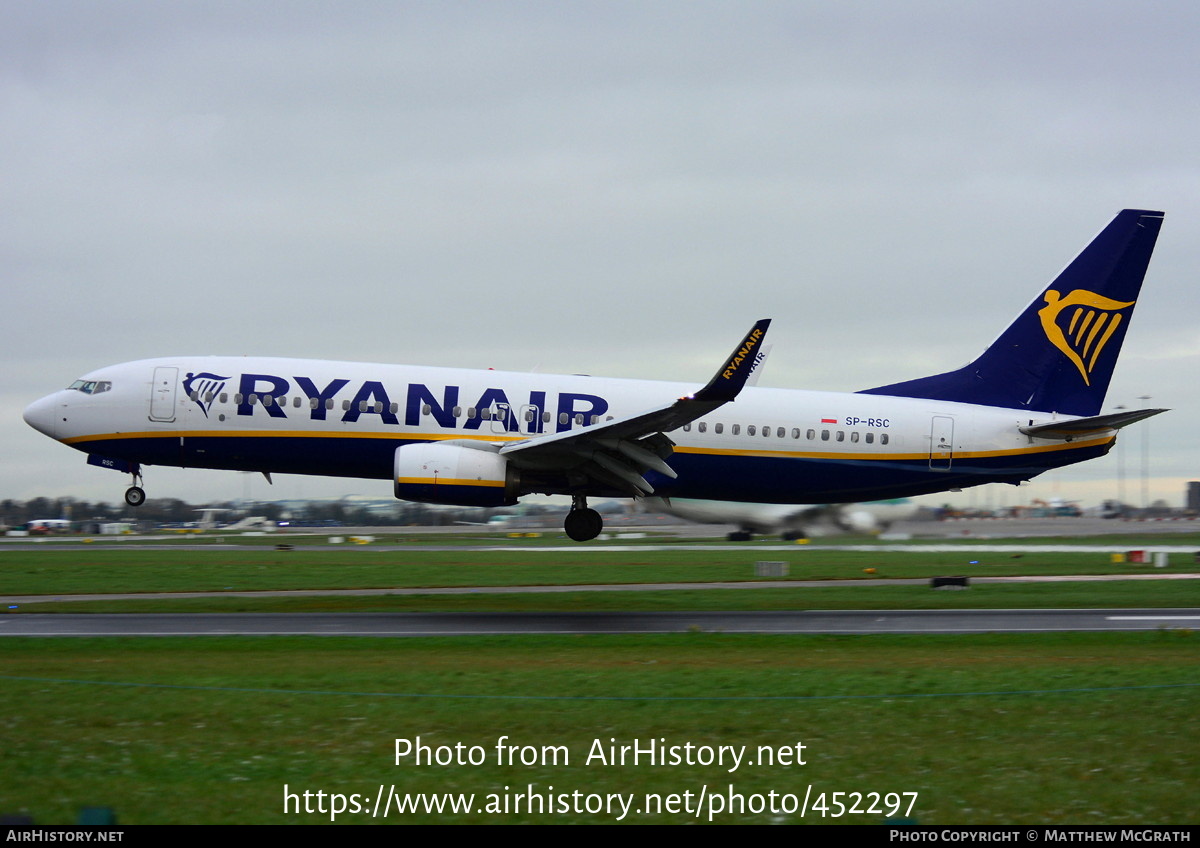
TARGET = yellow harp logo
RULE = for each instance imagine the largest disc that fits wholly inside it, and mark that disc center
(1088, 325)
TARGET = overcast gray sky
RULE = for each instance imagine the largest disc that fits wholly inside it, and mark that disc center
(602, 187)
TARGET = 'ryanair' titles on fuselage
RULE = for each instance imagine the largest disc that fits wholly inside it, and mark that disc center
(372, 398)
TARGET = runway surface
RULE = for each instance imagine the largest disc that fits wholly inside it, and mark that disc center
(507, 623)
(967, 544)
(481, 623)
(9, 601)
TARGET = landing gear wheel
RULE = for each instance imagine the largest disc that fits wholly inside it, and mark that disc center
(739, 536)
(135, 496)
(583, 525)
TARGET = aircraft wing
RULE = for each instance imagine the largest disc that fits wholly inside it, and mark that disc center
(618, 454)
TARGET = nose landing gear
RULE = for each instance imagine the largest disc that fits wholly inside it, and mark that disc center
(582, 524)
(135, 495)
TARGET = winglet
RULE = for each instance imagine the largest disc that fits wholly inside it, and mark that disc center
(732, 376)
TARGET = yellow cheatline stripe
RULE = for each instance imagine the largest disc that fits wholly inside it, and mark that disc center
(894, 456)
(434, 437)
(446, 481)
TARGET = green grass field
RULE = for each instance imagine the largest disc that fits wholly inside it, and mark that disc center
(1067, 728)
(85, 570)
(1026, 729)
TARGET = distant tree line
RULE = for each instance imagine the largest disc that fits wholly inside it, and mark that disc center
(14, 513)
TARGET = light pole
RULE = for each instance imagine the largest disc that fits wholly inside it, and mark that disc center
(1120, 471)
(1145, 461)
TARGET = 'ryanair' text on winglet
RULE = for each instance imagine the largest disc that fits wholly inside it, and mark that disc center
(729, 380)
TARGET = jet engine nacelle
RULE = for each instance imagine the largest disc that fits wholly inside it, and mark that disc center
(860, 521)
(448, 473)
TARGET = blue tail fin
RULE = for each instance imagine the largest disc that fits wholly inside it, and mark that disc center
(1058, 356)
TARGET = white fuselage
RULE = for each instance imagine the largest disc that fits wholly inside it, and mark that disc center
(347, 419)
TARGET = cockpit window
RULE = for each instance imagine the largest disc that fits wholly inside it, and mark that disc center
(91, 387)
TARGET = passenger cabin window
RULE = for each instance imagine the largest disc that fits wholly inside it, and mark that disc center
(870, 438)
(883, 438)
(702, 427)
(718, 428)
(737, 428)
(811, 434)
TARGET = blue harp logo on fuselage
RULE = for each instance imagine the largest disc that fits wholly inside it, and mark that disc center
(203, 388)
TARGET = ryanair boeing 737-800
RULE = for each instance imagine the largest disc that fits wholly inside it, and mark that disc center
(1029, 403)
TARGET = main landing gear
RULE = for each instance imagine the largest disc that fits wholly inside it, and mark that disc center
(135, 495)
(582, 524)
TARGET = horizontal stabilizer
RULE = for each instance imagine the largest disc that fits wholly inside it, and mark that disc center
(1077, 428)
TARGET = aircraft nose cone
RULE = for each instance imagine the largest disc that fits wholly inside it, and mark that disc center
(42, 415)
